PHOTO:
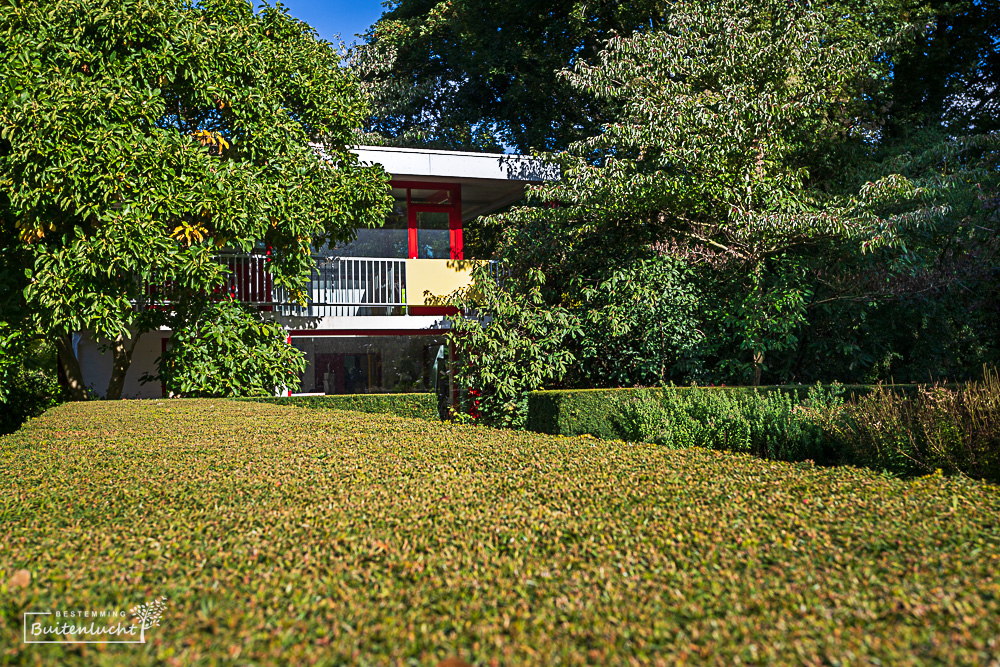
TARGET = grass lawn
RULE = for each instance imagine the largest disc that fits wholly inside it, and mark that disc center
(284, 535)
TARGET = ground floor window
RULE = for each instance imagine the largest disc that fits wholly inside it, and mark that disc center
(371, 364)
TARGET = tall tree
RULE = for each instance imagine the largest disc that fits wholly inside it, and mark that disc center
(950, 73)
(728, 111)
(748, 146)
(469, 73)
(480, 74)
(138, 138)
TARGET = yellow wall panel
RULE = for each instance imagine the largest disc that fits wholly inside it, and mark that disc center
(428, 278)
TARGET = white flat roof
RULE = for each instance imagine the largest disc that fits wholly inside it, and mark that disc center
(424, 162)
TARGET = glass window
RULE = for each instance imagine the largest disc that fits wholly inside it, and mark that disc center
(433, 235)
(429, 196)
(393, 243)
(363, 364)
(397, 217)
(390, 240)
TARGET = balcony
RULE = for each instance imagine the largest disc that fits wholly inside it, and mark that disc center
(343, 286)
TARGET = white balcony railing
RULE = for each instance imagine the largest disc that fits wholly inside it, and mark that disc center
(350, 286)
(339, 286)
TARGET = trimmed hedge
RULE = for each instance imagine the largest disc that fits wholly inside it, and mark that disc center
(417, 406)
(320, 537)
(588, 411)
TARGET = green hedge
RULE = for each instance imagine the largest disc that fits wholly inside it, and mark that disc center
(341, 538)
(418, 406)
(582, 411)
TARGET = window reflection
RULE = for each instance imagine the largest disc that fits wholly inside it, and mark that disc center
(430, 196)
(392, 240)
(432, 235)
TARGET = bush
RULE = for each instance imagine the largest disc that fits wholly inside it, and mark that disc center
(341, 538)
(905, 430)
(228, 350)
(955, 430)
(521, 346)
(583, 411)
(417, 406)
(767, 424)
(576, 411)
(29, 395)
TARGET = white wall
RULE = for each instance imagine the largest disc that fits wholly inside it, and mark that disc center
(96, 365)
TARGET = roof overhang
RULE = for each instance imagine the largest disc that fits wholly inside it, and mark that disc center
(489, 181)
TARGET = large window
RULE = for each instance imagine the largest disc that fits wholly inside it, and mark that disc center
(425, 223)
(372, 364)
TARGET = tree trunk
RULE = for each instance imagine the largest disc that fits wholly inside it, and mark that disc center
(121, 356)
(71, 367)
(758, 367)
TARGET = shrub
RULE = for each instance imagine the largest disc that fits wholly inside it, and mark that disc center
(338, 538)
(519, 347)
(589, 411)
(417, 406)
(765, 424)
(906, 430)
(29, 395)
(639, 417)
(575, 411)
(956, 430)
(227, 350)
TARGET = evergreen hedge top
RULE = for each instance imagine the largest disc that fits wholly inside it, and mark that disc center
(419, 406)
(327, 537)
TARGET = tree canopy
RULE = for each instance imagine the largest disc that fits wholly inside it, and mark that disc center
(477, 74)
(746, 215)
(139, 138)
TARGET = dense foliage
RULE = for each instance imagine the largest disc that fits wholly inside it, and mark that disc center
(755, 183)
(312, 536)
(593, 411)
(140, 137)
(468, 73)
(903, 429)
(29, 394)
(28, 378)
(228, 349)
(474, 74)
(953, 430)
(500, 364)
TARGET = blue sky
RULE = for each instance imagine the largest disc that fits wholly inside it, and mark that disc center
(329, 17)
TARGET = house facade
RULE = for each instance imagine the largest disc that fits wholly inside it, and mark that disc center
(373, 322)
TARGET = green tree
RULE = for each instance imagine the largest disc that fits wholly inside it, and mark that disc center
(140, 137)
(521, 345)
(728, 111)
(475, 74)
(950, 72)
(749, 147)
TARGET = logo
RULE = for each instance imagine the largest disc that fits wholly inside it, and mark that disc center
(86, 626)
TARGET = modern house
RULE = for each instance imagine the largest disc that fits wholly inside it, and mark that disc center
(372, 323)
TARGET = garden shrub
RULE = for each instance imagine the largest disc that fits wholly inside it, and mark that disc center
(227, 350)
(952, 429)
(417, 406)
(29, 394)
(589, 411)
(396, 542)
(767, 424)
(908, 430)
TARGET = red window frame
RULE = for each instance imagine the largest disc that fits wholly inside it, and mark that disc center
(454, 210)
